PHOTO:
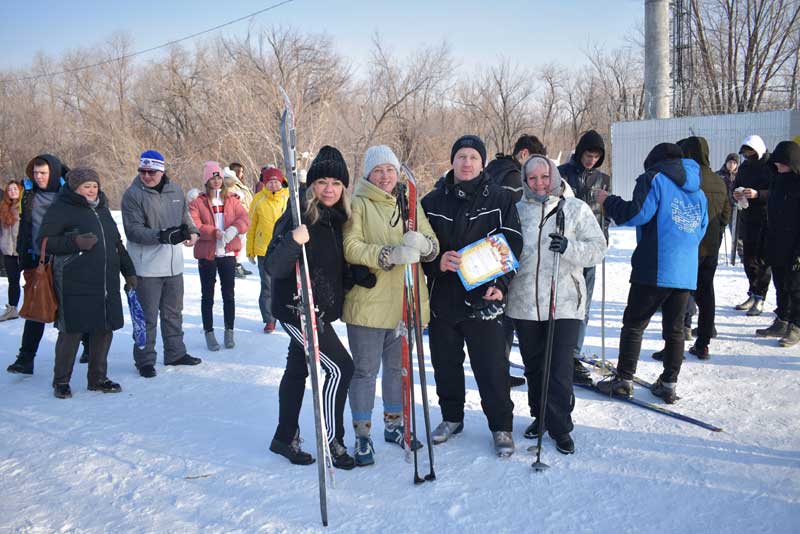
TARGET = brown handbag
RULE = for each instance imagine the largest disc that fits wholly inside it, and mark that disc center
(40, 303)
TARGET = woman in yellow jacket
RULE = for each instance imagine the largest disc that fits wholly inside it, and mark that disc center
(374, 237)
(265, 210)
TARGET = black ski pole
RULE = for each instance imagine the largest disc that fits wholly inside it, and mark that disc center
(538, 465)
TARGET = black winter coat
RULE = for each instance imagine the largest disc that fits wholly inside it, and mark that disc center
(506, 172)
(755, 175)
(27, 251)
(719, 209)
(783, 207)
(460, 214)
(86, 282)
(330, 276)
(582, 181)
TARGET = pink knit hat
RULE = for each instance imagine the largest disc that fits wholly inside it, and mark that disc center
(211, 169)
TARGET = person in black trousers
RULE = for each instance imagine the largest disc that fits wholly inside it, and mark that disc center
(467, 208)
(783, 243)
(327, 209)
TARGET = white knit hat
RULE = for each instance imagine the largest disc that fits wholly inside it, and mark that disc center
(379, 155)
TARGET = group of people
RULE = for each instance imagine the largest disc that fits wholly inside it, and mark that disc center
(554, 220)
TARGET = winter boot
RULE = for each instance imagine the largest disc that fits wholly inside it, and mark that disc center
(665, 390)
(659, 356)
(23, 365)
(186, 359)
(746, 305)
(701, 351)
(445, 430)
(516, 381)
(106, 386)
(229, 343)
(292, 451)
(616, 386)
(532, 432)
(341, 460)
(792, 336)
(564, 443)
(503, 443)
(211, 341)
(757, 307)
(147, 371)
(364, 451)
(10, 313)
(269, 327)
(777, 329)
(581, 375)
(62, 391)
(713, 332)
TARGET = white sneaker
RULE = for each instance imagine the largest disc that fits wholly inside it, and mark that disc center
(503, 443)
(445, 429)
(10, 313)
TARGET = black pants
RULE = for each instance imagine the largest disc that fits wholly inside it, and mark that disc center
(67, 348)
(705, 299)
(208, 269)
(532, 344)
(787, 289)
(755, 264)
(337, 364)
(485, 342)
(643, 302)
(12, 273)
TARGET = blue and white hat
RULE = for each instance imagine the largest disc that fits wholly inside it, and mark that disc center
(150, 160)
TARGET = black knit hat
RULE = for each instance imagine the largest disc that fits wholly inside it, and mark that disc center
(469, 141)
(329, 163)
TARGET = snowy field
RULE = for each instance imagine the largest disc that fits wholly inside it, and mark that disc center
(187, 450)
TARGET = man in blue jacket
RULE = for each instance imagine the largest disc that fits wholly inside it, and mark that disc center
(670, 214)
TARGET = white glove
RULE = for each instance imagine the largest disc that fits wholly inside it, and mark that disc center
(418, 241)
(401, 255)
(229, 234)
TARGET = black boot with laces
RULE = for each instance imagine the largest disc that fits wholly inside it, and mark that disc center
(292, 451)
(341, 460)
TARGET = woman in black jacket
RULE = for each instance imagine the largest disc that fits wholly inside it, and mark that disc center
(89, 257)
(326, 211)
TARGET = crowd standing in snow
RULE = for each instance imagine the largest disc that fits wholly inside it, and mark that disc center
(555, 221)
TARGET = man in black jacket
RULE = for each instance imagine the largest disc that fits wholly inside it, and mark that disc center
(467, 209)
(752, 185)
(582, 174)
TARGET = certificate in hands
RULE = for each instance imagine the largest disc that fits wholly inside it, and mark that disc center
(484, 260)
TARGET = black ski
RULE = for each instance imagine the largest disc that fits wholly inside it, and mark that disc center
(306, 308)
(647, 405)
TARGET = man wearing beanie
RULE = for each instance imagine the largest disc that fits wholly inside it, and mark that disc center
(157, 221)
(267, 207)
(375, 239)
(466, 209)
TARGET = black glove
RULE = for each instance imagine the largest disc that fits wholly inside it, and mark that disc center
(362, 276)
(85, 241)
(558, 243)
(485, 310)
(174, 235)
(796, 263)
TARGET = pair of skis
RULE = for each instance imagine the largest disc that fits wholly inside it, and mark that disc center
(411, 331)
(308, 319)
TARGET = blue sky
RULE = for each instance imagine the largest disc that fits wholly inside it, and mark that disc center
(530, 32)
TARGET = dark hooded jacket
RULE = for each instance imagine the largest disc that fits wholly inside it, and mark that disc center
(719, 209)
(86, 281)
(670, 214)
(729, 178)
(783, 207)
(755, 174)
(506, 172)
(582, 181)
(27, 249)
(460, 214)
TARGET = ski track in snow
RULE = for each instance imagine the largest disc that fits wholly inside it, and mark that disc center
(187, 451)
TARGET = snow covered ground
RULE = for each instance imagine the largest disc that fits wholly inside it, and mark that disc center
(187, 451)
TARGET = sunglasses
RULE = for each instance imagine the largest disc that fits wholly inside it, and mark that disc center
(148, 172)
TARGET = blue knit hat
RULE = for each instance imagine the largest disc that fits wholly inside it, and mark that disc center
(151, 160)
